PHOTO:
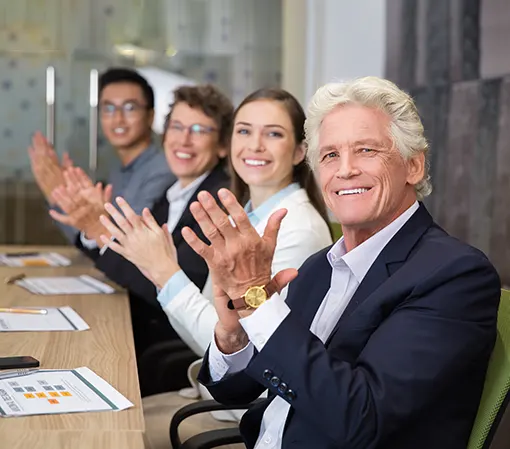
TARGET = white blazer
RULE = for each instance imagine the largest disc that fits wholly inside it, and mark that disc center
(303, 232)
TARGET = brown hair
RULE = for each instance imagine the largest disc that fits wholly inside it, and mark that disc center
(302, 172)
(212, 102)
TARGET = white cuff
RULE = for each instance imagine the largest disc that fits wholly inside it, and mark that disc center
(87, 243)
(222, 364)
(262, 323)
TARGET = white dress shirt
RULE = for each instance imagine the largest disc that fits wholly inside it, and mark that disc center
(348, 271)
(178, 197)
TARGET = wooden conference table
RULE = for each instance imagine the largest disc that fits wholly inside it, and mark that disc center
(107, 349)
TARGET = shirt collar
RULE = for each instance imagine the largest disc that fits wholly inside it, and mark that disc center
(361, 258)
(141, 158)
(177, 192)
(261, 212)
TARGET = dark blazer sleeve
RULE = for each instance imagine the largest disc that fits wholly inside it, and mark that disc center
(444, 327)
(235, 389)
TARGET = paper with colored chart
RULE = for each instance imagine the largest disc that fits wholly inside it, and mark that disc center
(36, 259)
(56, 319)
(49, 392)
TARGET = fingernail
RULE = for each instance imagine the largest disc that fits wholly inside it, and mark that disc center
(223, 194)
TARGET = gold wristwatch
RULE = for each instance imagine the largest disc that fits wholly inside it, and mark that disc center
(254, 297)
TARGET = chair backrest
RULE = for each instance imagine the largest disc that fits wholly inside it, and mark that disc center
(497, 381)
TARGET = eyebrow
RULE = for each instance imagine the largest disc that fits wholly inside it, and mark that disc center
(363, 142)
(130, 100)
(271, 125)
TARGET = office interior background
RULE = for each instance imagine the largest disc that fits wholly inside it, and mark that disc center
(451, 55)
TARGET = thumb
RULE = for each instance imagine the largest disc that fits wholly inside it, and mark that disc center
(67, 162)
(273, 226)
(283, 278)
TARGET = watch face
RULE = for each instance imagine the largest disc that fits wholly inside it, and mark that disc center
(255, 297)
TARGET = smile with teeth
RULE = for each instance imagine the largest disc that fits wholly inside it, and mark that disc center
(119, 130)
(255, 162)
(352, 191)
(181, 155)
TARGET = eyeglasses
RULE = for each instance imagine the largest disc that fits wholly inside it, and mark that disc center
(128, 109)
(195, 130)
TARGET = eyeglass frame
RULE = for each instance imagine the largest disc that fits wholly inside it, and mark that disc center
(122, 108)
(207, 130)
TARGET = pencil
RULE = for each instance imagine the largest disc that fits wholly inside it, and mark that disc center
(27, 311)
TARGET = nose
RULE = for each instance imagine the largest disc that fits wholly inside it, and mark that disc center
(255, 142)
(186, 137)
(347, 166)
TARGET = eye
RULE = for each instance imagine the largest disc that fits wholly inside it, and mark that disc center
(329, 155)
(275, 134)
(129, 107)
(366, 150)
(243, 131)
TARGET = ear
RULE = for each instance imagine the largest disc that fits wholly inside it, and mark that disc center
(416, 169)
(299, 154)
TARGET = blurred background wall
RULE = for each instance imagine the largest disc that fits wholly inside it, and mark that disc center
(453, 56)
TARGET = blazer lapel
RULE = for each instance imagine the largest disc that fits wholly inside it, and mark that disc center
(389, 260)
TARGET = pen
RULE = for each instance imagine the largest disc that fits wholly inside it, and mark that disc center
(26, 311)
(13, 279)
(21, 254)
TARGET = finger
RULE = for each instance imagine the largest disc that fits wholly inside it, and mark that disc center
(204, 221)
(133, 219)
(203, 250)
(72, 176)
(119, 219)
(114, 231)
(107, 193)
(82, 177)
(236, 211)
(61, 218)
(61, 196)
(67, 162)
(283, 278)
(217, 217)
(149, 220)
(170, 239)
(273, 226)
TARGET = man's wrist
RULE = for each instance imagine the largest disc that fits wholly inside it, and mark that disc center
(230, 342)
(164, 272)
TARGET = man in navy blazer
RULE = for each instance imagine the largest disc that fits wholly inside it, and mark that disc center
(382, 340)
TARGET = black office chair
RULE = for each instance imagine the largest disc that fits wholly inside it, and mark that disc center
(164, 366)
(212, 438)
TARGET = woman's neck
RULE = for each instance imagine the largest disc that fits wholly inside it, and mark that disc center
(260, 194)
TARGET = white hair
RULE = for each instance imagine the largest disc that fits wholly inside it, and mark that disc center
(406, 128)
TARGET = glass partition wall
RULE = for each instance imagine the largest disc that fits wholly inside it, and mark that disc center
(235, 44)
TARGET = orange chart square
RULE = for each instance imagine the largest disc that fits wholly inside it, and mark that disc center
(65, 393)
(54, 394)
(53, 401)
(29, 395)
(41, 395)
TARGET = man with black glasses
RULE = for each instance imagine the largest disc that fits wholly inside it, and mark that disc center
(126, 111)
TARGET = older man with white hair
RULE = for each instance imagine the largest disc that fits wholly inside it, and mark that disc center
(384, 338)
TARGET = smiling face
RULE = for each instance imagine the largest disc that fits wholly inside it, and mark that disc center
(364, 179)
(191, 143)
(125, 119)
(263, 148)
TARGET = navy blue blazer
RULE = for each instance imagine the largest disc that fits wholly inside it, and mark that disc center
(405, 365)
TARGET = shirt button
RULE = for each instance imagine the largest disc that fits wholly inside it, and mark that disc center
(261, 341)
(268, 440)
